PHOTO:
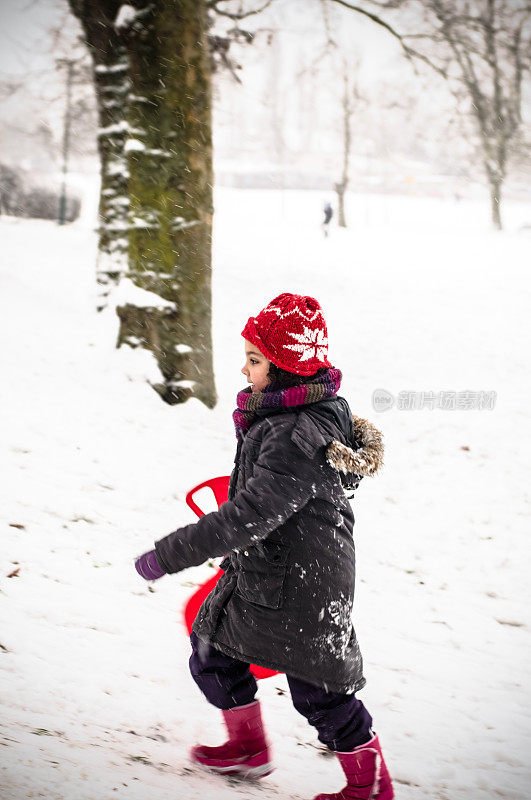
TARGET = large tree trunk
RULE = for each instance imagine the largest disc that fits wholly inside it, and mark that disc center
(154, 92)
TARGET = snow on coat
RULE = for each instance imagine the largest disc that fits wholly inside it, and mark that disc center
(285, 601)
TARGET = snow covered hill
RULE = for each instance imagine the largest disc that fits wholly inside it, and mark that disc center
(96, 699)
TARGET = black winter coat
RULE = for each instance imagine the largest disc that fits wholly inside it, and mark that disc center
(285, 600)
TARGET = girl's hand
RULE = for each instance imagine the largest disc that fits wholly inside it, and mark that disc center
(148, 566)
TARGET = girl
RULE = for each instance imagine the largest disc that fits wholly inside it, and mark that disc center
(285, 600)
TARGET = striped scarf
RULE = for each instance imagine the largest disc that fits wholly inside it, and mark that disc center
(249, 402)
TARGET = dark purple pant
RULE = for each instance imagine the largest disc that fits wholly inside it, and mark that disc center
(341, 720)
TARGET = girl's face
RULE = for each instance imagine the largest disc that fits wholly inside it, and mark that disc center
(256, 367)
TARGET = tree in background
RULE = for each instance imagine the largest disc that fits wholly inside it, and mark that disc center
(350, 101)
(485, 47)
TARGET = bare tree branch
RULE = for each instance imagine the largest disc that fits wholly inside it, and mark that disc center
(330, 41)
(409, 52)
(213, 6)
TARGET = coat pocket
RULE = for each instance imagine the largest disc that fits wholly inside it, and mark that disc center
(261, 573)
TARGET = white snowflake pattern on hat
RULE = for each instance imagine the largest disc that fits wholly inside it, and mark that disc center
(311, 343)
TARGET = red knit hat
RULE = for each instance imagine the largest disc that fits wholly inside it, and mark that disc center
(291, 332)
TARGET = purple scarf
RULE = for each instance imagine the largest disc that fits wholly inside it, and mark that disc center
(248, 402)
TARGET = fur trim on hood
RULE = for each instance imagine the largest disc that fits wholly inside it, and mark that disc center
(367, 459)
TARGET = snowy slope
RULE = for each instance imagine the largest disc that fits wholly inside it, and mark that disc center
(96, 699)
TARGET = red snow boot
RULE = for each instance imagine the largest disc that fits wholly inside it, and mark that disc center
(366, 774)
(246, 753)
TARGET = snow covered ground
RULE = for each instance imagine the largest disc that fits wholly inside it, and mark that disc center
(96, 699)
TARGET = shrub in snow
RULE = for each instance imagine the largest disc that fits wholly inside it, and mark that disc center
(10, 190)
(44, 204)
(19, 198)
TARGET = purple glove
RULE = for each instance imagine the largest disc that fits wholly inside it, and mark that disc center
(148, 566)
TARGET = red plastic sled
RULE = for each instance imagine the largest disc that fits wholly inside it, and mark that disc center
(220, 488)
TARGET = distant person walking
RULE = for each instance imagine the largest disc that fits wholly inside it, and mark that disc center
(328, 214)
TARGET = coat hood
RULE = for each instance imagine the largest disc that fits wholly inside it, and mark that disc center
(354, 446)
